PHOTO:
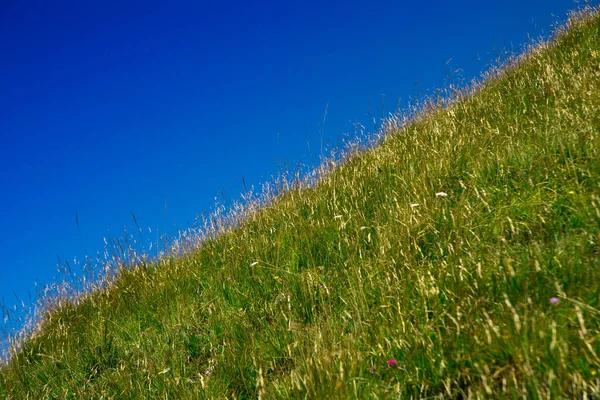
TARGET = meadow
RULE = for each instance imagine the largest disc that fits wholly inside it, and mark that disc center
(457, 255)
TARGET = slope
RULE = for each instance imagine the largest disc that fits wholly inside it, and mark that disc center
(459, 258)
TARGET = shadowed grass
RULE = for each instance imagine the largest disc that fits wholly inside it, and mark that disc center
(466, 246)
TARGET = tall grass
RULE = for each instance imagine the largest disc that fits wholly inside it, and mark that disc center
(457, 258)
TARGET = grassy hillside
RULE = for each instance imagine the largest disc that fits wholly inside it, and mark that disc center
(461, 257)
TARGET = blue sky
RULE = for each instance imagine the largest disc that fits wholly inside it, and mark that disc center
(109, 108)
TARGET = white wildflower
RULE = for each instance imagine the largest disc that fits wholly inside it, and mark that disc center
(254, 263)
(413, 205)
(441, 194)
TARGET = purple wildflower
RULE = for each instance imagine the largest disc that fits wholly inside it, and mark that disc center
(391, 363)
(554, 300)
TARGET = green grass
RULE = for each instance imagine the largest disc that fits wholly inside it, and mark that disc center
(311, 295)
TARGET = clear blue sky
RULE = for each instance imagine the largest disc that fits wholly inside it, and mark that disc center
(113, 107)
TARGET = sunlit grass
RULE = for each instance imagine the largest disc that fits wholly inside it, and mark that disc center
(458, 258)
